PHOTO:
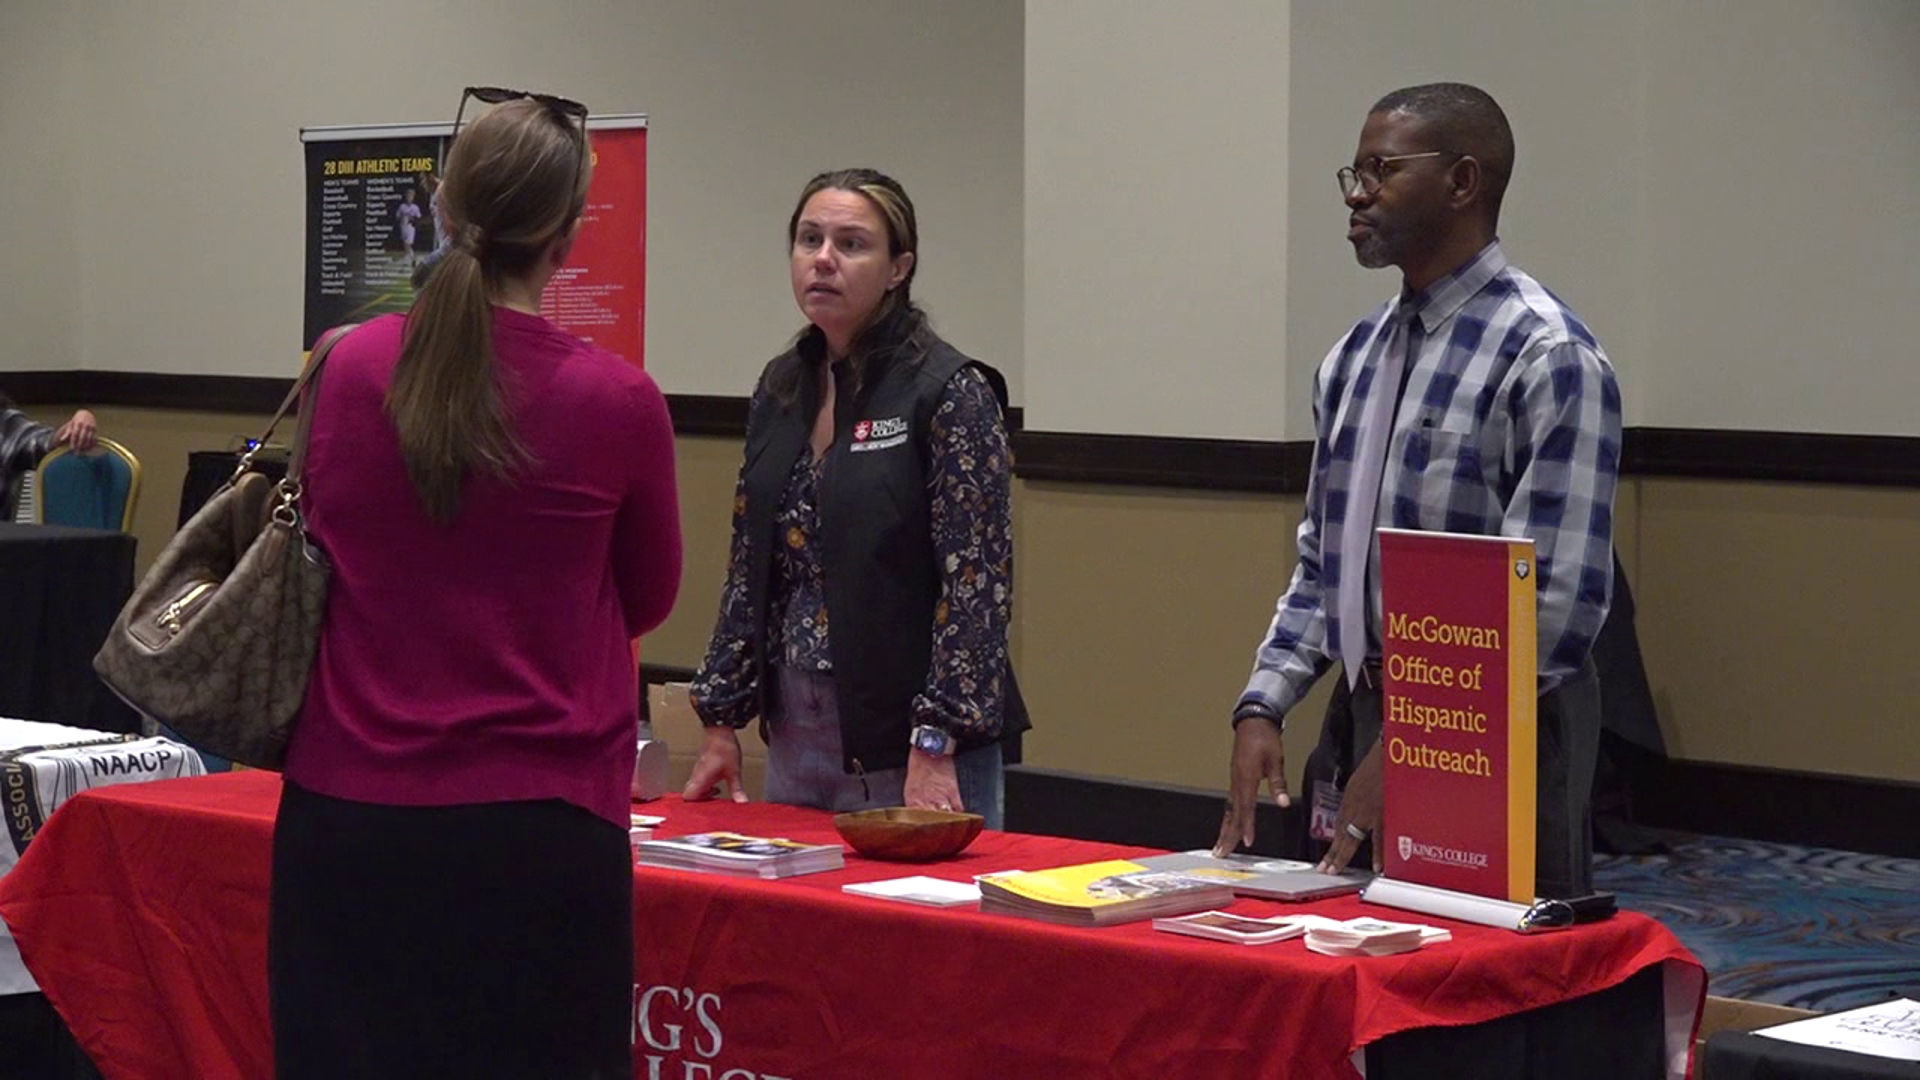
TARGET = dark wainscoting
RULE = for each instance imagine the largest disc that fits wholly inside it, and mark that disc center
(708, 414)
(147, 390)
(1782, 806)
(1246, 465)
(1780, 456)
(693, 414)
(654, 675)
(1052, 802)
(1282, 467)
(1278, 468)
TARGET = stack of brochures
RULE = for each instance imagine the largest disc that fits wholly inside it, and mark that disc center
(1371, 937)
(1225, 926)
(640, 830)
(735, 853)
(1097, 894)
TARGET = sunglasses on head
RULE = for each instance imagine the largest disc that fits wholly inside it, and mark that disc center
(496, 95)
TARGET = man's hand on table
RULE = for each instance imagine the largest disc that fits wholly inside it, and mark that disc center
(1359, 812)
(1258, 754)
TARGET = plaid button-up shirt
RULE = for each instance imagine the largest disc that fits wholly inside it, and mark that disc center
(1508, 425)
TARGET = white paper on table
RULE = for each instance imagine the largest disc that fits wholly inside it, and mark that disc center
(919, 889)
(1890, 1029)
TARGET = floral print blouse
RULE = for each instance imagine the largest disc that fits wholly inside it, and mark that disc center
(972, 526)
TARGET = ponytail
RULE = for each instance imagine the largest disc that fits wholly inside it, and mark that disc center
(445, 400)
(516, 180)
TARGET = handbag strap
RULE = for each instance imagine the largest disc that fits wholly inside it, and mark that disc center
(296, 460)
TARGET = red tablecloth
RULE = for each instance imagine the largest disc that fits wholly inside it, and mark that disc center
(142, 911)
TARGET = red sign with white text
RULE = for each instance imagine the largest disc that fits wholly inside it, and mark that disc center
(600, 294)
(1458, 712)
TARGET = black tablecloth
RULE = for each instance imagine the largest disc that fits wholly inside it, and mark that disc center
(1615, 1034)
(36, 1045)
(1740, 1055)
(208, 469)
(60, 590)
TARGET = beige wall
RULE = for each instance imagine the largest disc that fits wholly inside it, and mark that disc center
(1778, 296)
(1126, 205)
(1569, 78)
(1775, 618)
(1156, 193)
(1127, 208)
(1781, 631)
(154, 194)
(39, 304)
(1712, 184)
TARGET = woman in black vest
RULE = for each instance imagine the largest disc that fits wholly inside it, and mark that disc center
(870, 586)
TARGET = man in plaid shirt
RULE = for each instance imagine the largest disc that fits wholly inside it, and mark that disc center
(1501, 417)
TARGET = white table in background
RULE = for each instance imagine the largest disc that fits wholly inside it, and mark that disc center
(34, 782)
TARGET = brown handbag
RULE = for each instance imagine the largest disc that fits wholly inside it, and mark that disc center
(218, 639)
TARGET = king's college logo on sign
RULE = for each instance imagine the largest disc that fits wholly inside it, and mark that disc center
(1459, 686)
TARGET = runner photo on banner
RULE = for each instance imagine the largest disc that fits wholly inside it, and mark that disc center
(373, 231)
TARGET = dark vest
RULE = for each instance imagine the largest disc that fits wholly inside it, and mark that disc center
(876, 544)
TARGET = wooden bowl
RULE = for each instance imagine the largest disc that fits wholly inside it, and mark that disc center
(908, 835)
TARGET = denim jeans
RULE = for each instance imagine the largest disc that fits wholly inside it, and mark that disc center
(804, 758)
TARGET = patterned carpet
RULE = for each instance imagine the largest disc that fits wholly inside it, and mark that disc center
(1812, 928)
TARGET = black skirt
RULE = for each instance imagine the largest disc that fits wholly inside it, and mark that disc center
(491, 940)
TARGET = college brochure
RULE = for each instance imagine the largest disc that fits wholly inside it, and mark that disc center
(736, 853)
(1226, 926)
(1100, 893)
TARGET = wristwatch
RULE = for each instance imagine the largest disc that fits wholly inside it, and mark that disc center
(932, 740)
(1255, 708)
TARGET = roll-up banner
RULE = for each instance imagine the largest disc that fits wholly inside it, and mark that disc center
(372, 231)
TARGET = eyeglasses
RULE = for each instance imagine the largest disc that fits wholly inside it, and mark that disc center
(1373, 172)
(496, 95)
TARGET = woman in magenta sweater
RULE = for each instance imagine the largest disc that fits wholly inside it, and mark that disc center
(452, 888)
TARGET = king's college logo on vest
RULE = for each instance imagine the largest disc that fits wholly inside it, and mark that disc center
(879, 434)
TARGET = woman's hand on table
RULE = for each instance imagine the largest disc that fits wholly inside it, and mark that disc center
(717, 765)
(931, 783)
